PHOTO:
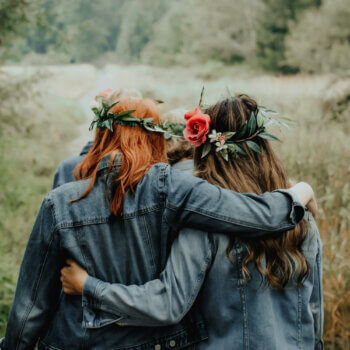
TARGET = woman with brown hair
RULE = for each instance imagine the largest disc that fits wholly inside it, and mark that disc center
(261, 293)
(118, 222)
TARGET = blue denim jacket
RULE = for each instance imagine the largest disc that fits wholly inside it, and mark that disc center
(131, 249)
(238, 314)
(64, 171)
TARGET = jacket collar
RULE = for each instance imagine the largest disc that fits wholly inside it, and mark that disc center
(86, 148)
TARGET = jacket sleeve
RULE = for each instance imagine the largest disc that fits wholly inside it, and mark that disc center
(162, 301)
(316, 299)
(193, 202)
(38, 285)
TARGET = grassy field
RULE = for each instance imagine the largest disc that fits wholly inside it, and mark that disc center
(316, 149)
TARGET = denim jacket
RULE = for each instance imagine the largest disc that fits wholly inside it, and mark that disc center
(131, 249)
(64, 171)
(239, 314)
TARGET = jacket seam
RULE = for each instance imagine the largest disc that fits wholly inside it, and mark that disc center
(230, 220)
(194, 294)
(30, 307)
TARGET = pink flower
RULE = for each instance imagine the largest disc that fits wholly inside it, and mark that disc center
(197, 128)
(190, 114)
(105, 93)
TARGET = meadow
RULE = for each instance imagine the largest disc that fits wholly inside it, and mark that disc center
(316, 149)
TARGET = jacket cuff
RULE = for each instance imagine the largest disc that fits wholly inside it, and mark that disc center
(298, 211)
(90, 292)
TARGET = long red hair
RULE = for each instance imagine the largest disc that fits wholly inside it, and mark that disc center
(140, 150)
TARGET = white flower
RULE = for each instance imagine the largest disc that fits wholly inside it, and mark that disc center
(220, 145)
(214, 136)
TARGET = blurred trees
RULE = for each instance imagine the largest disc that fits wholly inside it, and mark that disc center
(275, 23)
(14, 15)
(277, 35)
(320, 41)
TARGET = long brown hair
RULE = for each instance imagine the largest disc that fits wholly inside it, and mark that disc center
(140, 150)
(278, 259)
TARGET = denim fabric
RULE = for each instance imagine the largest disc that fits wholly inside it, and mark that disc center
(238, 314)
(64, 171)
(185, 165)
(131, 249)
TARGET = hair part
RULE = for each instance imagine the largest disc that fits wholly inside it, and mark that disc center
(278, 259)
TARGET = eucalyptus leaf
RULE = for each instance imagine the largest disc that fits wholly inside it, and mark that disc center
(110, 124)
(240, 149)
(224, 154)
(260, 119)
(231, 147)
(242, 130)
(129, 118)
(266, 136)
(251, 124)
(206, 149)
(125, 113)
(229, 134)
(147, 120)
(254, 146)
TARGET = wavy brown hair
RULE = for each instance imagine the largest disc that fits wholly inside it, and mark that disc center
(278, 259)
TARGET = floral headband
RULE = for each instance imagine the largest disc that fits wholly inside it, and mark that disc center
(198, 126)
(105, 119)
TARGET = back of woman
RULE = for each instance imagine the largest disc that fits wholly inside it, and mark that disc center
(250, 314)
(266, 293)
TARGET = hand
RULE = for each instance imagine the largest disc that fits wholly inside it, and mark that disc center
(73, 278)
(306, 196)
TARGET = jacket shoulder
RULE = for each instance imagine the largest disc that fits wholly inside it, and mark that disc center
(68, 213)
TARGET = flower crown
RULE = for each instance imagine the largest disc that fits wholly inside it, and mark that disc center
(198, 126)
(104, 118)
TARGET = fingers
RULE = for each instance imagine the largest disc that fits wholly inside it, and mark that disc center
(70, 262)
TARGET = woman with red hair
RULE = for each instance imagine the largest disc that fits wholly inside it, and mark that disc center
(118, 222)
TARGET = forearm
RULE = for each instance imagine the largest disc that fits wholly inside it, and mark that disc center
(162, 301)
(245, 215)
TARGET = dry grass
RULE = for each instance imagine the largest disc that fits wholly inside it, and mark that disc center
(316, 150)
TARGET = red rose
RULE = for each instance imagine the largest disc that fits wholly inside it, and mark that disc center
(190, 114)
(197, 128)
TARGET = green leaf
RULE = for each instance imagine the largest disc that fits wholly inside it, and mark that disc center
(270, 111)
(92, 125)
(260, 119)
(229, 134)
(224, 154)
(231, 147)
(129, 118)
(147, 120)
(121, 114)
(265, 135)
(240, 149)
(148, 126)
(242, 130)
(254, 146)
(206, 149)
(109, 123)
(251, 124)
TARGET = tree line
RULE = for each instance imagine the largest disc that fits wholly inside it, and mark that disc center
(276, 35)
